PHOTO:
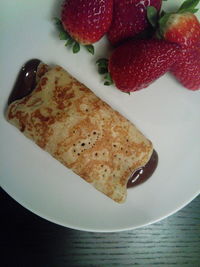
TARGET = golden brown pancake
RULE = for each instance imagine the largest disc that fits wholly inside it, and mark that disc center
(69, 121)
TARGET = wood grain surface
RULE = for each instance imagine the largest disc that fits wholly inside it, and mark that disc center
(28, 240)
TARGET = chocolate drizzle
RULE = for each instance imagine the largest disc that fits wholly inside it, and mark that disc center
(144, 173)
(25, 81)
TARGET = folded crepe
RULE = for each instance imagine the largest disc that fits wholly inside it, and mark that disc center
(69, 121)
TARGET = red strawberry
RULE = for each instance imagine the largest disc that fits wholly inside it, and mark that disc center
(129, 18)
(136, 64)
(183, 26)
(86, 20)
(187, 68)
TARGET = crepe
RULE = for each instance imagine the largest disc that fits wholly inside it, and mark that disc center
(69, 121)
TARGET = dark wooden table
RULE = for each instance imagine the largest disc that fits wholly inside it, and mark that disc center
(28, 240)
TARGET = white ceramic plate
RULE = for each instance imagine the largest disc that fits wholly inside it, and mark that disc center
(167, 113)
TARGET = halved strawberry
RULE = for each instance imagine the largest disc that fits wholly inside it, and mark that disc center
(136, 64)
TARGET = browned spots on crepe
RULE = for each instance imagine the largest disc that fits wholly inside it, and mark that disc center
(61, 96)
(41, 125)
(43, 81)
(80, 130)
(42, 69)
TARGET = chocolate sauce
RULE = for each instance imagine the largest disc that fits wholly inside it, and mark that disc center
(144, 173)
(25, 81)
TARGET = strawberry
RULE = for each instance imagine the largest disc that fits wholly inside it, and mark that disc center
(136, 64)
(86, 21)
(129, 18)
(187, 68)
(181, 27)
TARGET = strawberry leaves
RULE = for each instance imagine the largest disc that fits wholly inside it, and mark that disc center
(59, 26)
(63, 35)
(108, 79)
(162, 22)
(70, 42)
(90, 49)
(102, 64)
(76, 47)
(189, 6)
(152, 15)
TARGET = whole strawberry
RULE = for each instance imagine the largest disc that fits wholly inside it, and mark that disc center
(136, 64)
(129, 18)
(187, 68)
(181, 27)
(86, 21)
